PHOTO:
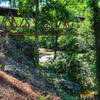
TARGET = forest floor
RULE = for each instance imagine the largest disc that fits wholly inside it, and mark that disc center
(7, 92)
(18, 89)
(12, 88)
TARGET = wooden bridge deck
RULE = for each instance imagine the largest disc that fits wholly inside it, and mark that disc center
(4, 11)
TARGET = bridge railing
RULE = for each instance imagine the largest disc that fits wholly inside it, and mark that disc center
(10, 19)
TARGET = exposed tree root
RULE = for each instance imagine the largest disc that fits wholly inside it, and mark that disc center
(24, 87)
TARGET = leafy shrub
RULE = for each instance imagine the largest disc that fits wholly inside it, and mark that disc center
(44, 97)
(77, 68)
(61, 64)
(46, 42)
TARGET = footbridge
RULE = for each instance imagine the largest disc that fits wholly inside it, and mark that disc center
(10, 19)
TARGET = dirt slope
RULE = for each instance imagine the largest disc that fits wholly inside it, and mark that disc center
(13, 89)
(7, 92)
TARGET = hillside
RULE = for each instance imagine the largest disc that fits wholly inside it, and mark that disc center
(19, 76)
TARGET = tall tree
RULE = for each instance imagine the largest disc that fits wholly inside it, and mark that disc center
(36, 48)
(96, 26)
(26, 9)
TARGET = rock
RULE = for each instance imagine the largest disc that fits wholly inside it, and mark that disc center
(19, 74)
(8, 68)
(46, 58)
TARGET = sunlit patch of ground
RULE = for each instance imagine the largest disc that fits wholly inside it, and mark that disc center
(88, 94)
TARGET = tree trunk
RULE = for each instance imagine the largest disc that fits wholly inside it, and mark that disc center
(56, 46)
(36, 48)
(97, 40)
(96, 27)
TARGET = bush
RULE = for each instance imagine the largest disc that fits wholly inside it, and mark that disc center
(77, 68)
(46, 42)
